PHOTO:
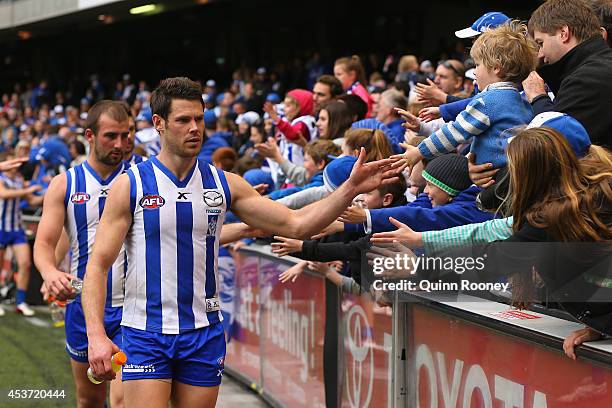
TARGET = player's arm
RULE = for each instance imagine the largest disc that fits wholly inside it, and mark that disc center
(260, 212)
(47, 236)
(62, 247)
(113, 228)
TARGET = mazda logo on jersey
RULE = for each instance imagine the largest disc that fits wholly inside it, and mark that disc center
(79, 198)
(213, 198)
(151, 202)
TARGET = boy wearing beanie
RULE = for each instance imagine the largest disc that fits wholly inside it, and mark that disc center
(449, 201)
(446, 177)
(504, 57)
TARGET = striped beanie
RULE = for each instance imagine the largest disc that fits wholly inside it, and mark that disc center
(449, 173)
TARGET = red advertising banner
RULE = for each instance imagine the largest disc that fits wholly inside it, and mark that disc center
(293, 323)
(367, 352)
(460, 364)
(243, 351)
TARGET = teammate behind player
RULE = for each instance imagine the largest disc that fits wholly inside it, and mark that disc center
(75, 201)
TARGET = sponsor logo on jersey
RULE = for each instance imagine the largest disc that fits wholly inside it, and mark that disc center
(151, 202)
(79, 198)
(213, 198)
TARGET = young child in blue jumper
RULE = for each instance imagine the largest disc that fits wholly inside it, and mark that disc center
(504, 57)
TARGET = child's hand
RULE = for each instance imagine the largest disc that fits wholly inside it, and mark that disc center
(292, 273)
(270, 110)
(411, 122)
(429, 114)
(286, 246)
(332, 228)
(319, 267)
(353, 215)
(270, 150)
(403, 234)
(260, 188)
(411, 157)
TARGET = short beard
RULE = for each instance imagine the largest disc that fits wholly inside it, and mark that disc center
(108, 160)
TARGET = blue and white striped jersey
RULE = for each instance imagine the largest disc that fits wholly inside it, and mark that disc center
(172, 282)
(135, 159)
(10, 212)
(85, 197)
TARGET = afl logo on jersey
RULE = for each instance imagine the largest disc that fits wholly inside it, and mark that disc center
(213, 198)
(151, 202)
(79, 198)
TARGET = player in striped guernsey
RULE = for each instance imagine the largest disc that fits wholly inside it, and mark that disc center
(12, 234)
(129, 156)
(169, 210)
(74, 203)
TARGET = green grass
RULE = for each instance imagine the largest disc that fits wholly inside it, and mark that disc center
(33, 358)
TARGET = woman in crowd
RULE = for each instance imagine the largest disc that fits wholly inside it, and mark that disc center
(334, 119)
(350, 72)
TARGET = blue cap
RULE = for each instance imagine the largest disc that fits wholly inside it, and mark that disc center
(259, 176)
(487, 21)
(338, 171)
(574, 132)
(210, 119)
(273, 97)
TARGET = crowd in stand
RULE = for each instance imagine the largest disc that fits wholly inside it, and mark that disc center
(508, 144)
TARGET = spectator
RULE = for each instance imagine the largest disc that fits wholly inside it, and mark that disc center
(146, 135)
(299, 175)
(374, 141)
(317, 156)
(334, 119)
(603, 10)
(78, 152)
(448, 81)
(504, 58)
(577, 66)
(224, 158)
(390, 101)
(356, 106)
(449, 200)
(408, 70)
(350, 72)
(325, 90)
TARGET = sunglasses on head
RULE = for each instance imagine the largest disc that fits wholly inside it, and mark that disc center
(447, 64)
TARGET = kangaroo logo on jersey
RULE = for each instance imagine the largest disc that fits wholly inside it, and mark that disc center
(212, 225)
(79, 198)
(213, 198)
(151, 202)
